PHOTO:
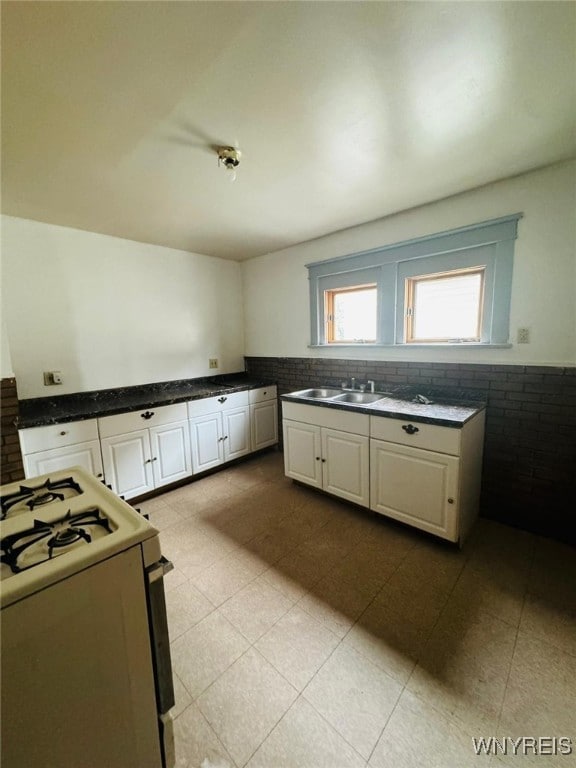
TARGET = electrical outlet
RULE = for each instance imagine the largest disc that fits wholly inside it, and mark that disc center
(52, 377)
(213, 362)
(523, 336)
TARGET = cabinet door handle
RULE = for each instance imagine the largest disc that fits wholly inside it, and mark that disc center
(147, 414)
(148, 461)
(317, 458)
(222, 399)
(323, 461)
(155, 458)
(410, 429)
(450, 501)
(225, 437)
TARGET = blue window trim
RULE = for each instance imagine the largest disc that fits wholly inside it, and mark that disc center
(388, 266)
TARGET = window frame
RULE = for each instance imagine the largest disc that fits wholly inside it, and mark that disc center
(329, 294)
(489, 243)
(410, 286)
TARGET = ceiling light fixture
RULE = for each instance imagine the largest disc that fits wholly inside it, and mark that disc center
(229, 158)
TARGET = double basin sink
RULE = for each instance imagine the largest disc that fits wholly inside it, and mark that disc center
(337, 396)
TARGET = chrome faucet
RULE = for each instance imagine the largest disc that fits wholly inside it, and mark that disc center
(370, 385)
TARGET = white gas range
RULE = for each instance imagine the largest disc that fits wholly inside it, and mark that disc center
(84, 632)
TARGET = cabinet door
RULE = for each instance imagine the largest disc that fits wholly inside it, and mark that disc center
(128, 463)
(302, 452)
(170, 445)
(345, 466)
(264, 424)
(236, 432)
(415, 486)
(85, 455)
(206, 441)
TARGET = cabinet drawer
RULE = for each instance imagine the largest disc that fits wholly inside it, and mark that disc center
(333, 418)
(427, 436)
(57, 435)
(261, 394)
(130, 422)
(214, 404)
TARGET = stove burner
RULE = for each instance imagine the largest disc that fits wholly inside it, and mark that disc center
(44, 498)
(64, 532)
(67, 536)
(39, 495)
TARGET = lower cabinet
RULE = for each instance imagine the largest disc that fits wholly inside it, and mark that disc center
(60, 446)
(86, 455)
(219, 437)
(263, 417)
(219, 429)
(417, 487)
(332, 459)
(142, 459)
(425, 475)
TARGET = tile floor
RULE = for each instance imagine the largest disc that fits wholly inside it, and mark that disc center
(306, 633)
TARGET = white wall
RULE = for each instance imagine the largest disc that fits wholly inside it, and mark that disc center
(276, 302)
(6, 371)
(109, 312)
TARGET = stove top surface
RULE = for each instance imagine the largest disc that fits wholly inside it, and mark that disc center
(56, 525)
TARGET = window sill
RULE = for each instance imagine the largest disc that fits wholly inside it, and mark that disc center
(442, 345)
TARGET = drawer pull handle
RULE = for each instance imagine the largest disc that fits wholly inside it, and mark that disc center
(450, 501)
(317, 458)
(148, 461)
(410, 429)
(147, 414)
(63, 432)
(222, 399)
(323, 461)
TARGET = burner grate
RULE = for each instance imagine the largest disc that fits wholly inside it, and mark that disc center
(60, 534)
(35, 496)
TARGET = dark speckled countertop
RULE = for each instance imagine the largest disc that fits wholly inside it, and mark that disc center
(450, 408)
(41, 411)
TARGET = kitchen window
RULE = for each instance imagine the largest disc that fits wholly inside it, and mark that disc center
(445, 306)
(351, 314)
(452, 288)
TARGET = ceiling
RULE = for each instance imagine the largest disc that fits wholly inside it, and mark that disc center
(344, 112)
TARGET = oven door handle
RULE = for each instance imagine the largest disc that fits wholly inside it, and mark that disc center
(159, 638)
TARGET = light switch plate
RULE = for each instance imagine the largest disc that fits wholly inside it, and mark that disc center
(52, 377)
(213, 362)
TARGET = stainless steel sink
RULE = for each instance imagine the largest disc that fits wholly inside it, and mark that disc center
(317, 394)
(359, 398)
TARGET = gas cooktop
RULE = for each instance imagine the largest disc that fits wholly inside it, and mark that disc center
(58, 524)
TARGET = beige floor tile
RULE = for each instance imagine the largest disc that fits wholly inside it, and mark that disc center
(553, 574)
(185, 607)
(181, 697)
(297, 572)
(540, 697)
(303, 739)
(418, 735)
(226, 577)
(245, 704)
(554, 623)
(173, 579)
(354, 696)
(164, 517)
(255, 608)
(336, 603)
(271, 545)
(492, 592)
(369, 565)
(297, 646)
(197, 746)
(463, 669)
(203, 653)
(393, 632)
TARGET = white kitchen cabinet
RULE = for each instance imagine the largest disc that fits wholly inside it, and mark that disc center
(434, 490)
(219, 430)
(328, 449)
(415, 486)
(60, 446)
(128, 463)
(138, 459)
(263, 417)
